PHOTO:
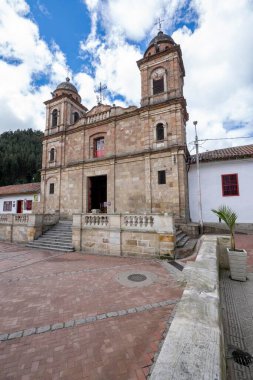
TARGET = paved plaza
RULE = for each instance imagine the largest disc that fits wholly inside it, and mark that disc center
(75, 316)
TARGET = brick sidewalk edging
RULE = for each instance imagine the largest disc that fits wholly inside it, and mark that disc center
(81, 321)
(194, 346)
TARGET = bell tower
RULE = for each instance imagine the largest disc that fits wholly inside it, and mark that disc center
(64, 109)
(162, 71)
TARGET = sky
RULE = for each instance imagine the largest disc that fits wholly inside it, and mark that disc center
(92, 41)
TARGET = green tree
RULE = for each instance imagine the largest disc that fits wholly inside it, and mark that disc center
(20, 156)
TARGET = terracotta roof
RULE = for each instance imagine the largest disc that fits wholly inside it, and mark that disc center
(20, 189)
(233, 153)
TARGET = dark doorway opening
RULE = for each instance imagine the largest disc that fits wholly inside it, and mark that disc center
(19, 207)
(98, 193)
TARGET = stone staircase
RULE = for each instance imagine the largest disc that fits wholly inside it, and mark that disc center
(184, 244)
(58, 238)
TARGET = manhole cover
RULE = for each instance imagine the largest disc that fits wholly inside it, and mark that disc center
(137, 277)
(242, 358)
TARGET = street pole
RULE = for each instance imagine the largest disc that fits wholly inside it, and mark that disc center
(198, 176)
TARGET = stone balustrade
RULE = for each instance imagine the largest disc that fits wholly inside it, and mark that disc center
(25, 227)
(98, 117)
(124, 234)
(95, 220)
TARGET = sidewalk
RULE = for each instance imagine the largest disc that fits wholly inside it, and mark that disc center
(237, 314)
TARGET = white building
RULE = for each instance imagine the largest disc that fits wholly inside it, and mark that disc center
(18, 199)
(226, 178)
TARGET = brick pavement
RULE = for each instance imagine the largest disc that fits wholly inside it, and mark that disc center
(52, 290)
(237, 314)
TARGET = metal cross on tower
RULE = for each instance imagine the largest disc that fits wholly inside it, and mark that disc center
(100, 90)
(159, 23)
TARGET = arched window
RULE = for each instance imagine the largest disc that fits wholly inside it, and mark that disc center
(159, 132)
(54, 118)
(76, 117)
(158, 80)
(52, 155)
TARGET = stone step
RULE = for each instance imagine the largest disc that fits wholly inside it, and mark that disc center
(58, 238)
(40, 244)
(51, 248)
(186, 250)
(183, 240)
(55, 244)
(61, 229)
(58, 233)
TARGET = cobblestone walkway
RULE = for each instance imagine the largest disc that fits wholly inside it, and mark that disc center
(237, 315)
(68, 317)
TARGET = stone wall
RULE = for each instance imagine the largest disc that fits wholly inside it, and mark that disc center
(194, 347)
(124, 234)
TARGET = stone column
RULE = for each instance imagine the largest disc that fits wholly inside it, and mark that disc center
(77, 232)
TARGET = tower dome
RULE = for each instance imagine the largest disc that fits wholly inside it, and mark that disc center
(160, 42)
(67, 88)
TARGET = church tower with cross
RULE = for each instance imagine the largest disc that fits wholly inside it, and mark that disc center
(117, 160)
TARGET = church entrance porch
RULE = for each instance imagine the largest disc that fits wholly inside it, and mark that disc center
(97, 193)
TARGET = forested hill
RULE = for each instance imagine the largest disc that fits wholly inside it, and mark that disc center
(20, 157)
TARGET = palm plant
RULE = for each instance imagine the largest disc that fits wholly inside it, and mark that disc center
(228, 216)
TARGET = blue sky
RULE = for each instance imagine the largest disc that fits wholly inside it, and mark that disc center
(92, 41)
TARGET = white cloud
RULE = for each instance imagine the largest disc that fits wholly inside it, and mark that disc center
(218, 61)
(114, 56)
(25, 57)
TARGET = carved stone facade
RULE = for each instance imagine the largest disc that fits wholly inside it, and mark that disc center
(120, 160)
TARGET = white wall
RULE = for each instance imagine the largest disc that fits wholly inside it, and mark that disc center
(15, 198)
(211, 189)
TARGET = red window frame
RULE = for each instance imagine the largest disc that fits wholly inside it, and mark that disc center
(99, 147)
(230, 185)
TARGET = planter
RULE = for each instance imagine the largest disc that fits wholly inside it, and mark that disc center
(238, 264)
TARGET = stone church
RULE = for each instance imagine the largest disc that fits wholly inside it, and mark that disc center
(120, 160)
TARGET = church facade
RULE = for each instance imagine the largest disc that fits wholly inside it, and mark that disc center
(120, 160)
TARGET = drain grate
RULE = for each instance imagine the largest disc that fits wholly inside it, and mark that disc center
(176, 265)
(242, 357)
(137, 277)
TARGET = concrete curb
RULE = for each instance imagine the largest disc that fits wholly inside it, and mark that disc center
(193, 348)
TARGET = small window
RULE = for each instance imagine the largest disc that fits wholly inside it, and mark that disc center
(7, 206)
(51, 188)
(54, 118)
(158, 86)
(52, 155)
(159, 132)
(161, 177)
(99, 147)
(230, 185)
(76, 117)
